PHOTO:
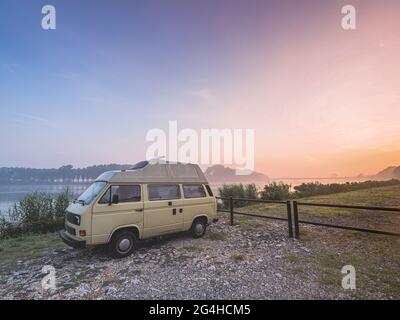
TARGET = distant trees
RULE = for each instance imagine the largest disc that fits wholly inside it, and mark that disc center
(64, 174)
(317, 188)
(281, 191)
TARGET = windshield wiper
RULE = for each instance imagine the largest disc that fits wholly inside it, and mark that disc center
(82, 202)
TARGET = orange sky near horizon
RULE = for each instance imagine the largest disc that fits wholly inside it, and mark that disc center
(327, 101)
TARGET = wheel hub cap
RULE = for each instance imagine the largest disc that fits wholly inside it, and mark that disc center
(124, 245)
(198, 228)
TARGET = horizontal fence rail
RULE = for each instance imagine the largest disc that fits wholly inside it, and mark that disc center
(232, 212)
(294, 222)
(297, 221)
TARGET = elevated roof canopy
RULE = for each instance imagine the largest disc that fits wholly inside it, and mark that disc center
(156, 172)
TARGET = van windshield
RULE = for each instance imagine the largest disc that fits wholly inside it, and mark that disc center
(91, 192)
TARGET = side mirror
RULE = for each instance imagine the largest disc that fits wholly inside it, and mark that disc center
(115, 199)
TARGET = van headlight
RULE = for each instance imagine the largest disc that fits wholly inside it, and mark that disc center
(74, 218)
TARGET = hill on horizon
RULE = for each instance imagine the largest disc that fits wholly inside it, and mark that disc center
(392, 172)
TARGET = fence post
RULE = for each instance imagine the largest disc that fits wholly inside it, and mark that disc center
(296, 220)
(289, 219)
(231, 209)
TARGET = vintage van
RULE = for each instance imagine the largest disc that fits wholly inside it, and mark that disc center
(149, 200)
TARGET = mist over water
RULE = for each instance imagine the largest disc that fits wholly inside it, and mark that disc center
(10, 194)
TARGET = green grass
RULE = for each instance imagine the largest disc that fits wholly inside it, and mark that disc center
(27, 247)
(369, 197)
(381, 196)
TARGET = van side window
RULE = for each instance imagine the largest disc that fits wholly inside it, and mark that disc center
(164, 192)
(126, 193)
(194, 191)
(210, 193)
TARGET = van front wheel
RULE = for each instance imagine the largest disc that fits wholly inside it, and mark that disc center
(198, 228)
(122, 243)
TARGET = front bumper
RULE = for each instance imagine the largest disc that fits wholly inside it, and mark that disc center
(77, 244)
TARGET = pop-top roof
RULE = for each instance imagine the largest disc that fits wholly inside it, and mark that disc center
(157, 172)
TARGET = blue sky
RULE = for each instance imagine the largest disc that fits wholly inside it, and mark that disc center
(87, 92)
(135, 63)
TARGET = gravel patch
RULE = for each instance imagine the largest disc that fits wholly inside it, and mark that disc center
(230, 262)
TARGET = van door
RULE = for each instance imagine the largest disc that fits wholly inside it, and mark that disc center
(120, 205)
(162, 212)
(196, 203)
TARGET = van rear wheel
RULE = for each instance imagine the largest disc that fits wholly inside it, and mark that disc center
(122, 243)
(198, 228)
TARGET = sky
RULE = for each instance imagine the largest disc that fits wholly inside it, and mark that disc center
(321, 100)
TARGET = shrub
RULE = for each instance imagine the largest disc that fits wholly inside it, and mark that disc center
(38, 212)
(276, 191)
(237, 191)
(251, 191)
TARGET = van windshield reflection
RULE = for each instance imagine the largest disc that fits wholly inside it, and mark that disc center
(91, 193)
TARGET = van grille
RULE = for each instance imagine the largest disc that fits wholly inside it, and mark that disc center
(70, 230)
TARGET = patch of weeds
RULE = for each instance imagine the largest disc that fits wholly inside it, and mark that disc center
(192, 249)
(330, 278)
(249, 224)
(237, 257)
(66, 286)
(137, 272)
(217, 236)
(306, 235)
(297, 270)
(293, 258)
(112, 281)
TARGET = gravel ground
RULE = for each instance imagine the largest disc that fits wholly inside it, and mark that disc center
(228, 263)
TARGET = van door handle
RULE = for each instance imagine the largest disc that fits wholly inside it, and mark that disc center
(174, 211)
(139, 210)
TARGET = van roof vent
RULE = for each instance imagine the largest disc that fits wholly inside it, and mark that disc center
(139, 165)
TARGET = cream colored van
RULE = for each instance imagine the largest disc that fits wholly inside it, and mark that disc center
(149, 200)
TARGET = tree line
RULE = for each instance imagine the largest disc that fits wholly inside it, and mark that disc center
(281, 191)
(64, 174)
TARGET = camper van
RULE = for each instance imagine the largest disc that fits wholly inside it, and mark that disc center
(149, 200)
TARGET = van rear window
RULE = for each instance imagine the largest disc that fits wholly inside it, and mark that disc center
(164, 192)
(194, 191)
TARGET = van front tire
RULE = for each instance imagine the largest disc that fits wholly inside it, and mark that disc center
(122, 243)
(198, 228)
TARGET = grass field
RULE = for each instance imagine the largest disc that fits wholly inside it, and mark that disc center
(382, 196)
(375, 257)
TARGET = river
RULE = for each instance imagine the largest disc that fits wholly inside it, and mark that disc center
(10, 194)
